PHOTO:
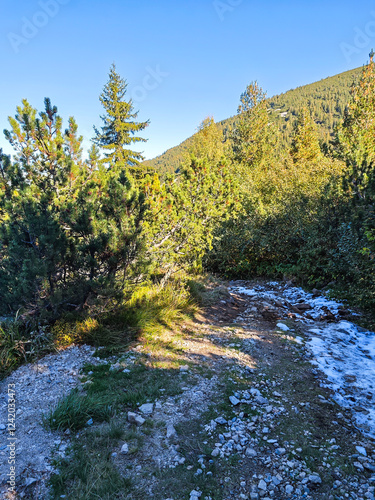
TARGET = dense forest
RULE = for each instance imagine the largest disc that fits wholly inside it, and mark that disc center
(95, 246)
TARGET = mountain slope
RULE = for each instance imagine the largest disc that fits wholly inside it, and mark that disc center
(326, 98)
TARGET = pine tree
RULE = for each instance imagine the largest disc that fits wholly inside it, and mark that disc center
(207, 142)
(183, 212)
(305, 144)
(119, 125)
(254, 138)
(356, 134)
(69, 229)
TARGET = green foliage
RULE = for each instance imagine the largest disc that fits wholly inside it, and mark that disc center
(75, 410)
(20, 343)
(69, 229)
(315, 218)
(183, 212)
(88, 473)
(254, 138)
(326, 99)
(207, 142)
(119, 125)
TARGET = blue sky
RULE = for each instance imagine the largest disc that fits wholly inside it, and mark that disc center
(183, 60)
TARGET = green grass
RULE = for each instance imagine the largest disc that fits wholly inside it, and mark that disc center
(21, 343)
(88, 472)
(73, 412)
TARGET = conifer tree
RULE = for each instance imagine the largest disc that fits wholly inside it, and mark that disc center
(69, 228)
(119, 126)
(208, 142)
(184, 211)
(357, 133)
(305, 144)
(254, 138)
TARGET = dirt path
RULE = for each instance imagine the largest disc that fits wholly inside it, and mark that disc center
(230, 407)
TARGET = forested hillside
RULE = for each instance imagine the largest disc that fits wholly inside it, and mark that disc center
(326, 99)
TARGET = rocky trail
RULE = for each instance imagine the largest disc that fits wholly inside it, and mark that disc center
(268, 394)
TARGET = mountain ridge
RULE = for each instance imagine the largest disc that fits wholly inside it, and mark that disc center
(326, 98)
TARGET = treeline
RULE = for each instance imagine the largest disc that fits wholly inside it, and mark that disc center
(326, 100)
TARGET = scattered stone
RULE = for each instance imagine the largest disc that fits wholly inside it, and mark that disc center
(147, 408)
(133, 418)
(361, 450)
(234, 400)
(195, 494)
(124, 449)
(283, 327)
(220, 420)
(314, 479)
(171, 431)
(262, 485)
(289, 489)
(280, 451)
(250, 452)
(30, 480)
(184, 368)
(215, 452)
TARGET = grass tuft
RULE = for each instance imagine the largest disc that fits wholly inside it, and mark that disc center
(75, 410)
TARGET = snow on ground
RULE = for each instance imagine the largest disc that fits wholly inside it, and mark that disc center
(342, 350)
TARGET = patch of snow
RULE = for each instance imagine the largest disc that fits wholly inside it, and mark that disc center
(343, 351)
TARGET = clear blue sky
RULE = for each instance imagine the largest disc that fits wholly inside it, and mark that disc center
(183, 59)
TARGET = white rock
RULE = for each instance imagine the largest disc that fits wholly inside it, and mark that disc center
(360, 450)
(133, 418)
(195, 494)
(184, 368)
(30, 480)
(315, 479)
(147, 408)
(250, 452)
(289, 489)
(234, 400)
(171, 431)
(261, 400)
(262, 485)
(124, 449)
(280, 451)
(220, 420)
(283, 327)
(215, 452)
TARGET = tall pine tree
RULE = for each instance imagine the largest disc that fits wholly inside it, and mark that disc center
(119, 125)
